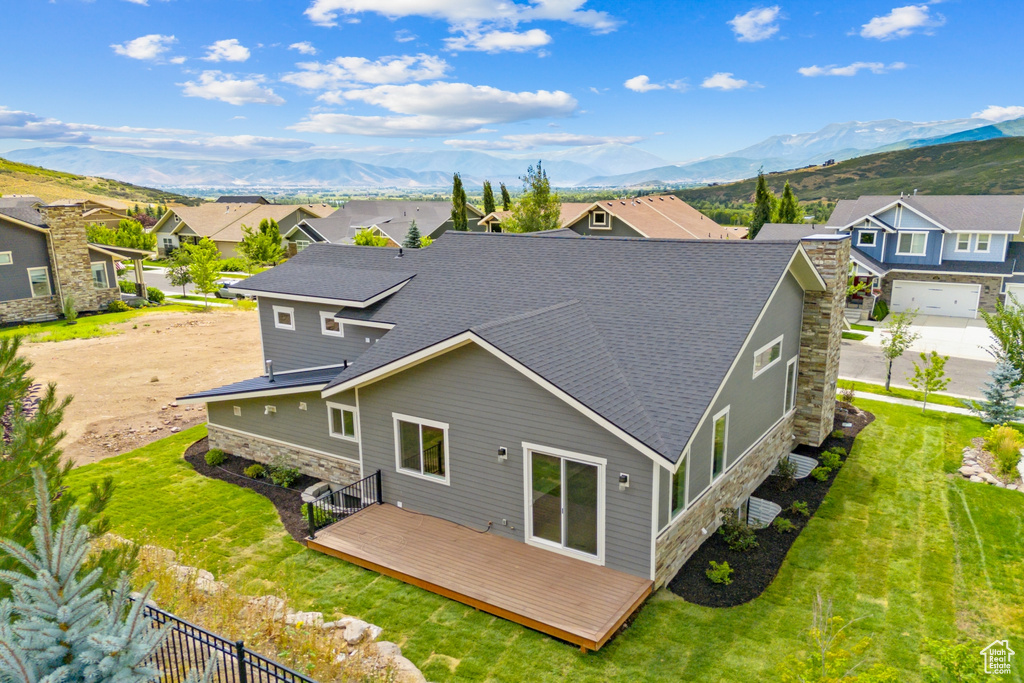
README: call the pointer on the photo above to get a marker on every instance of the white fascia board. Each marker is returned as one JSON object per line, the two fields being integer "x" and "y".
{"x": 804, "y": 271}
{"x": 307, "y": 389}
{"x": 364, "y": 323}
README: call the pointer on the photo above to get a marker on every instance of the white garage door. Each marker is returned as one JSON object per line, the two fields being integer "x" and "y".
{"x": 936, "y": 298}
{"x": 1017, "y": 291}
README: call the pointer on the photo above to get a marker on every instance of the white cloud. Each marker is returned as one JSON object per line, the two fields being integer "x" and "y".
{"x": 533, "y": 140}
{"x": 385, "y": 126}
{"x": 305, "y": 47}
{"x": 642, "y": 83}
{"x": 996, "y": 113}
{"x": 344, "y": 72}
{"x": 149, "y": 47}
{"x": 405, "y": 36}
{"x": 902, "y": 22}
{"x": 216, "y": 85}
{"x": 724, "y": 80}
{"x": 850, "y": 69}
{"x": 498, "y": 41}
{"x": 178, "y": 60}
{"x": 229, "y": 50}
{"x": 757, "y": 24}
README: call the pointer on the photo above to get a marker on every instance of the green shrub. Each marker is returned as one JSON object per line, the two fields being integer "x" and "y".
{"x": 215, "y": 457}
{"x": 1004, "y": 443}
{"x": 126, "y": 286}
{"x": 255, "y": 471}
{"x": 738, "y": 534}
{"x": 234, "y": 264}
{"x": 783, "y": 525}
{"x": 832, "y": 460}
{"x": 787, "y": 473}
{"x": 154, "y": 295}
{"x": 848, "y": 395}
{"x": 880, "y": 310}
{"x": 322, "y": 517}
{"x": 719, "y": 573}
{"x": 117, "y": 306}
{"x": 838, "y": 434}
{"x": 136, "y": 303}
{"x": 280, "y": 473}
{"x": 799, "y": 507}
{"x": 69, "y": 310}
{"x": 821, "y": 473}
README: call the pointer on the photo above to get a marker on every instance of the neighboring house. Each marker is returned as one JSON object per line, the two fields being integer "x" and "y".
{"x": 45, "y": 258}
{"x": 492, "y": 221}
{"x": 222, "y": 222}
{"x": 949, "y": 255}
{"x": 652, "y": 382}
{"x": 388, "y": 218}
{"x": 242, "y": 199}
{"x": 108, "y": 218}
{"x": 658, "y": 217}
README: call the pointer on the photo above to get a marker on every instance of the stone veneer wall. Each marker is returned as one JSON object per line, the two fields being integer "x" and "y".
{"x": 323, "y": 467}
{"x": 821, "y": 340}
{"x": 675, "y": 545}
{"x": 33, "y": 308}
{"x": 72, "y": 269}
{"x": 990, "y": 286}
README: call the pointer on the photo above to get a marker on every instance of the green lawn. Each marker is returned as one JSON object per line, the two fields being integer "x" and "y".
{"x": 897, "y": 542}
{"x": 897, "y": 392}
{"x": 86, "y": 327}
{"x": 854, "y": 336}
{"x": 862, "y": 328}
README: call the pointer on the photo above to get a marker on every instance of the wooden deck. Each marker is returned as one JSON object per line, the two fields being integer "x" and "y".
{"x": 570, "y": 599}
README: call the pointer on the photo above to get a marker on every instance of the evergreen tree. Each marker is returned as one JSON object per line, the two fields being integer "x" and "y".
{"x": 789, "y": 207}
{"x": 1001, "y": 395}
{"x": 488, "y": 198}
{"x": 538, "y": 208}
{"x": 506, "y": 199}
{"x": 412, "y": 238}
{"x": 459, "y": 219}
{"x": 763, "y": 206}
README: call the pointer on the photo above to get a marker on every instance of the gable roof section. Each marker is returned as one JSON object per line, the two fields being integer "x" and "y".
{"x": 222, "y": 222}
{"x": 357, "y": 287}
{"x": 958, "y": 213}
{"x": 791, "y": 231}
{"x": 661, "y": 217}
{"x": 392, "y": 217}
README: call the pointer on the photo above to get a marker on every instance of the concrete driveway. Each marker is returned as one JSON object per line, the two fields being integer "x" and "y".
{"x": 955, "y": 337}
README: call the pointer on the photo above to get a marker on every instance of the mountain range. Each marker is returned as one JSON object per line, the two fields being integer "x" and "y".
{"x": 609, "y": 165}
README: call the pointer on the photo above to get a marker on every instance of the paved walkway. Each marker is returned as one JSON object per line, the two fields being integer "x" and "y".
{"x": 937, "y": 407}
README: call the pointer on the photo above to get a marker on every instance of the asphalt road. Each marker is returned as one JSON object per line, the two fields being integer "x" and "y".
{"x": 864, "y": 363}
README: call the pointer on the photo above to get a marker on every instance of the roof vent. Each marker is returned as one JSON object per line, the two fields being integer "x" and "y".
{"x": 270, "y": 371}
{"x": 400, "y": 253}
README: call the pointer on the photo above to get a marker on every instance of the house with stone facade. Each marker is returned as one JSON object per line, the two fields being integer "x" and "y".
{"x": 45, "y": 258}
{"x": 593, "y": 405}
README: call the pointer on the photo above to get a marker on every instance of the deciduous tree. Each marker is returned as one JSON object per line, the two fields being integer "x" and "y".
{"x": 929, "y": 376}
{"x": 366, "y": 238}
{"x": 538, "y": 208}
{"x": 179, "y": 273}
{"x": 896, "y": 339}
{"x": 1007, "y": 326}
{"x": 204, "y": 267}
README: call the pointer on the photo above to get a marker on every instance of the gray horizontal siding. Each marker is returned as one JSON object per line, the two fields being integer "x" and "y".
{"x": 487, "y": 405}
{"x": 306, "y": 428}
{"x": 619, "y": 228}
{"x": 28, "y": 250}
{"x": 306, "y": 346}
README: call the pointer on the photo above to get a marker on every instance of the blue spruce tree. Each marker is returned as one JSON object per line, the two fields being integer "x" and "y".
{"x": 1001, "y": 395}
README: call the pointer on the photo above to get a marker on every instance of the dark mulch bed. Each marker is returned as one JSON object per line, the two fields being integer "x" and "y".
{"x": 755, "y": 570}
{"x": 288, "y": 501}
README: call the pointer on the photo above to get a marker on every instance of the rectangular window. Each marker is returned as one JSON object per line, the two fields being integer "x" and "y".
{"x": 301, "y": 244}
{"x": 330, "y": 325}
{"x": 791, "y": 378}
{"x": 99, "y": 275}
{"x": 767, "y": 356}
{"x": 982, "y": 243}
{"x": 284, "y": 318}
{"x": 39, "y": 279}
{"x": 679, "y": 482}
{"x": 912, "y": 244}
{"x": 342, "y": 421}
{"x": 5, "y": 258}
{"x": 421, "y": 447}
{"x": 721, "y": 439}
{"x": 599, "y": 219}
{"x": 963, "y": 242}
{"x": 866, "y": 238}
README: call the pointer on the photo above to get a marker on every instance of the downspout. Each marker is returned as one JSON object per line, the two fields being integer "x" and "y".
{"x": 55, "y": 270}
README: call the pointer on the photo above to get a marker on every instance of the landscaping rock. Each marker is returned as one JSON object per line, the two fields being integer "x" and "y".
{"x": 269, "y": 605}
{"x": 373, "y": 633}
{"x": 976, "y": 479}
{"x": 305, "y": 618}
{"x": 405, "y": 671}
{"x": 157, "y": 554}
{"x": 968, "y": 471}
{"x": 355, "y": 630}
{"x": 387, "y": 649}
{"x": 210, "y": 587}
{"x": 315, "y": 491}
{"x": 989, "y": 478}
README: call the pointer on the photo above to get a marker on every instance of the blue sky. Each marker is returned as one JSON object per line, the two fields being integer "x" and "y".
{"x": 309, "y": 77}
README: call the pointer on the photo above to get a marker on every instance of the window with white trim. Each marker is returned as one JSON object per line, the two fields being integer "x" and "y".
{"x": 39, "y": 280}
{"x": 330, "y": 326}
{"x": 963, "y": 241}
{"x": 680, "y": 480}
{"x": 99, "y": 275}
{"x": 767, "y": 356}
{"x": 421, "y": 447}
{"x": 791, "y": 380}
{"x": 720, "y": 441}
{"x": 301, "y": 244}
{"x": 284, "y": 318}
{"x": 599, "y": 219}
{"x": 912, "y": 244}
{"x": 866, "y": 238}
{"x": 5, "y": 258}
{"x": 982, "y": 242}
{"x": 342, "y": 421}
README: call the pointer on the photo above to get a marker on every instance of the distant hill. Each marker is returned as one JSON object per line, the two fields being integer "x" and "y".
{"x": 48, "y": 185}
{"x": 994, "y": 166}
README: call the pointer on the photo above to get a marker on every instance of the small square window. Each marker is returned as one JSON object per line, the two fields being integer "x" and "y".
{"x": 301, "y": 244}
{"x": 238, "y": 411}
{"x": 342, "y": 421}
{"x": 599, "y": 219}
{"x": 963, "y": 242}
{"x": 284, "y": 318}
{"x": 330, "y": 326}
{"x": 866, "y": 238}
{"x": 5, "y": 258}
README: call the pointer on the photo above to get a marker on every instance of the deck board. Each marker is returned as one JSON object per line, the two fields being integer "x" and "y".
{"x": 568, "y": 598}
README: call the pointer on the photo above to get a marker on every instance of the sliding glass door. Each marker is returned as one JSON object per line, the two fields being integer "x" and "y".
{"x": 565, "y": 497}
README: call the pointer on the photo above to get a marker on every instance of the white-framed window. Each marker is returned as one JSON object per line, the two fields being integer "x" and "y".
{"x": 719, "y": 443}
{"x": 39, "y": 280}
{"x": 330, "y": 326}
{"x": 963, "y": 241}
{"x": 866, "y": 238}
{"x": 6, "y": 258}
{"x": 168, "y": 242}
{"x": 767, "y": 356}
{"x": 301, "y": 244}
{"x": 678, "y": 493}
{"x": 982, "y": 242}
{"x": 421, "y": 448}
{"x": 912, "y": 244}
{"x": 791, "y": 380}
{"x": 343, "y": 421}
{"x": 599, "y": 219}
{"x": 99, "y": 275}
{"x": 284, "y": 317}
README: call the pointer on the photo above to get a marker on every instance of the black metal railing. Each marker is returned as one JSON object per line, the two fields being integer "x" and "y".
{"x": 189, "y": 648}
{"x": 334, "y": 506}
{"x": 433, "y": 459}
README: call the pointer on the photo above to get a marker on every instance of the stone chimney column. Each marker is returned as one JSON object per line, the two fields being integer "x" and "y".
{"x": 820, "y": 339}
{"x": 72, "y": 266}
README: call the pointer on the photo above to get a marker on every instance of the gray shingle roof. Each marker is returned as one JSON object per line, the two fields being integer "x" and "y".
{"x": 328, "y": 282}
{"x": 642, "y": 332}
{"x": 974, "y": 213}
{"x": 394, "y": 217}
{"x": 291, "y": 380}
{"x": 25, "y": 214}
{"x": 791, "y": 231}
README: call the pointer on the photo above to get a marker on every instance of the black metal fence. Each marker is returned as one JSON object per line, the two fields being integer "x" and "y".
{"x": 190, "y": 648}
{"x": 337, "y": 505}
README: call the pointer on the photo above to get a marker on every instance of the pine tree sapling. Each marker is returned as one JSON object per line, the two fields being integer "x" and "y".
{"x": 506, "y": 199}
{"x": 488, "y": 198}
{"x": 1001, "y": 395}
{"x": 69, "y": 310}
{"x": 412, "y": 238}
{"x": 896, "y": 339}
{"x": 930, "y": 376}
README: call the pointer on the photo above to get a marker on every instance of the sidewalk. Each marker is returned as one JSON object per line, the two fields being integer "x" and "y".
{"x": 938, "y": 408}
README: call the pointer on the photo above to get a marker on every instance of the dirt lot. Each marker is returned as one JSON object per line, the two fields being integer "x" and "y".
{"x": 123, "y": 385}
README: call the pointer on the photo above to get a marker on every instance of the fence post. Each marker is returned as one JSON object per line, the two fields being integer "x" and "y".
{"x": 380, "y": 494}
{"x": 311, "y": 517}
{"x": 240, "y": 658}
